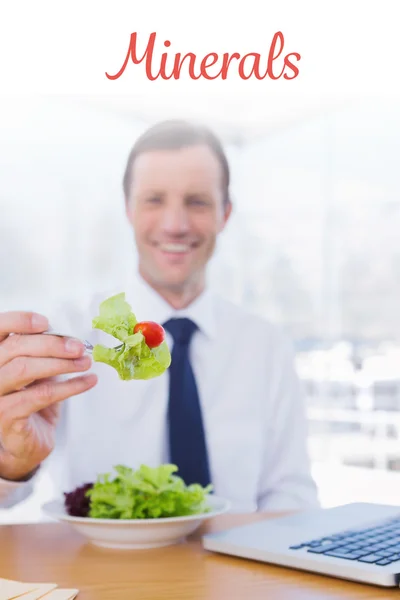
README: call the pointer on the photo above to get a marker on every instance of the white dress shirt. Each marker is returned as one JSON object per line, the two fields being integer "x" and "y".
{"x": 252, "y": 405}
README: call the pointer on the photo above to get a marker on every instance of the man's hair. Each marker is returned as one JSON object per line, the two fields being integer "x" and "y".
{"x": 174, "y": 135}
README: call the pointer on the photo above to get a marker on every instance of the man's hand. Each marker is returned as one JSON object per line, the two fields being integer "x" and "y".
{"x": 30, "y": 395}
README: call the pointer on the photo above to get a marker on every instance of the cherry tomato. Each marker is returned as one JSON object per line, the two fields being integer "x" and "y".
{"x": 153, "y": 333}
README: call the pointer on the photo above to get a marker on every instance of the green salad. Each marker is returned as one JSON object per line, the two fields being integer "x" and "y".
{"x": 144, "y": 353}
{"x": 144, "y": 493}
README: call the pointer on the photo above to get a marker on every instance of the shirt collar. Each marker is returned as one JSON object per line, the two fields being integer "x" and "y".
{"x": 148, "y": 305}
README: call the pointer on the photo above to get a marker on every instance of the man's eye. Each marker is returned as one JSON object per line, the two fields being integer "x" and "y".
{"x": 153, "y": 200}
{"x": 196, "y": 201}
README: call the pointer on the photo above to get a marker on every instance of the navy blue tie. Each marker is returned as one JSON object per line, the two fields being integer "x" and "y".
{"x": 187, "y": 443}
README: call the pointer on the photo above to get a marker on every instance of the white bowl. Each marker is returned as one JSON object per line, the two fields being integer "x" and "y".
{"x": 132, "y": 534}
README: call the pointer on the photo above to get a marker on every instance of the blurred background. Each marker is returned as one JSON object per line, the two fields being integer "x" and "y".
{"x": 313, "y": 245}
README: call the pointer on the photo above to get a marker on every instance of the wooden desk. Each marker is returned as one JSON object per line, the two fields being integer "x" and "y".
{"x": 55, "y": 553}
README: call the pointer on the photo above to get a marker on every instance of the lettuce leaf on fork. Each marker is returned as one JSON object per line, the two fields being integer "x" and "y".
{"x": 135, "y": 360}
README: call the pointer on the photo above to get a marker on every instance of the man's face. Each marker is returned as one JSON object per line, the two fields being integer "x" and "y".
{"x": 176, "y": 209}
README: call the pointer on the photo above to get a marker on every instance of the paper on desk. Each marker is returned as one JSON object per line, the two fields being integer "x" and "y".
{"x": 49, "y": 592}
{"x": 15, "y": 590}
{"x": 39, "y": 592}
{"x": 59, "y": 594}
{"x": 12, "y": 589}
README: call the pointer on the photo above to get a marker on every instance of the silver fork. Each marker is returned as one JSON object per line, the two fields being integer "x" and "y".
{"x": 89, "y": 347}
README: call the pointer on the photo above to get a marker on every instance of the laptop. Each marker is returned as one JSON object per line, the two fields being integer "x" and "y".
{"x": 357, "y": 541}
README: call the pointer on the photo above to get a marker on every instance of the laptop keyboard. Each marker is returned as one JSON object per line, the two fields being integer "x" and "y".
{"x": 379, "y": 545}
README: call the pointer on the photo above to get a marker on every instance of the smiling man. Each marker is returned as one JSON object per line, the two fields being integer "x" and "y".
{"x": 177, "y": 202}
{"x": 229, "y": 410}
